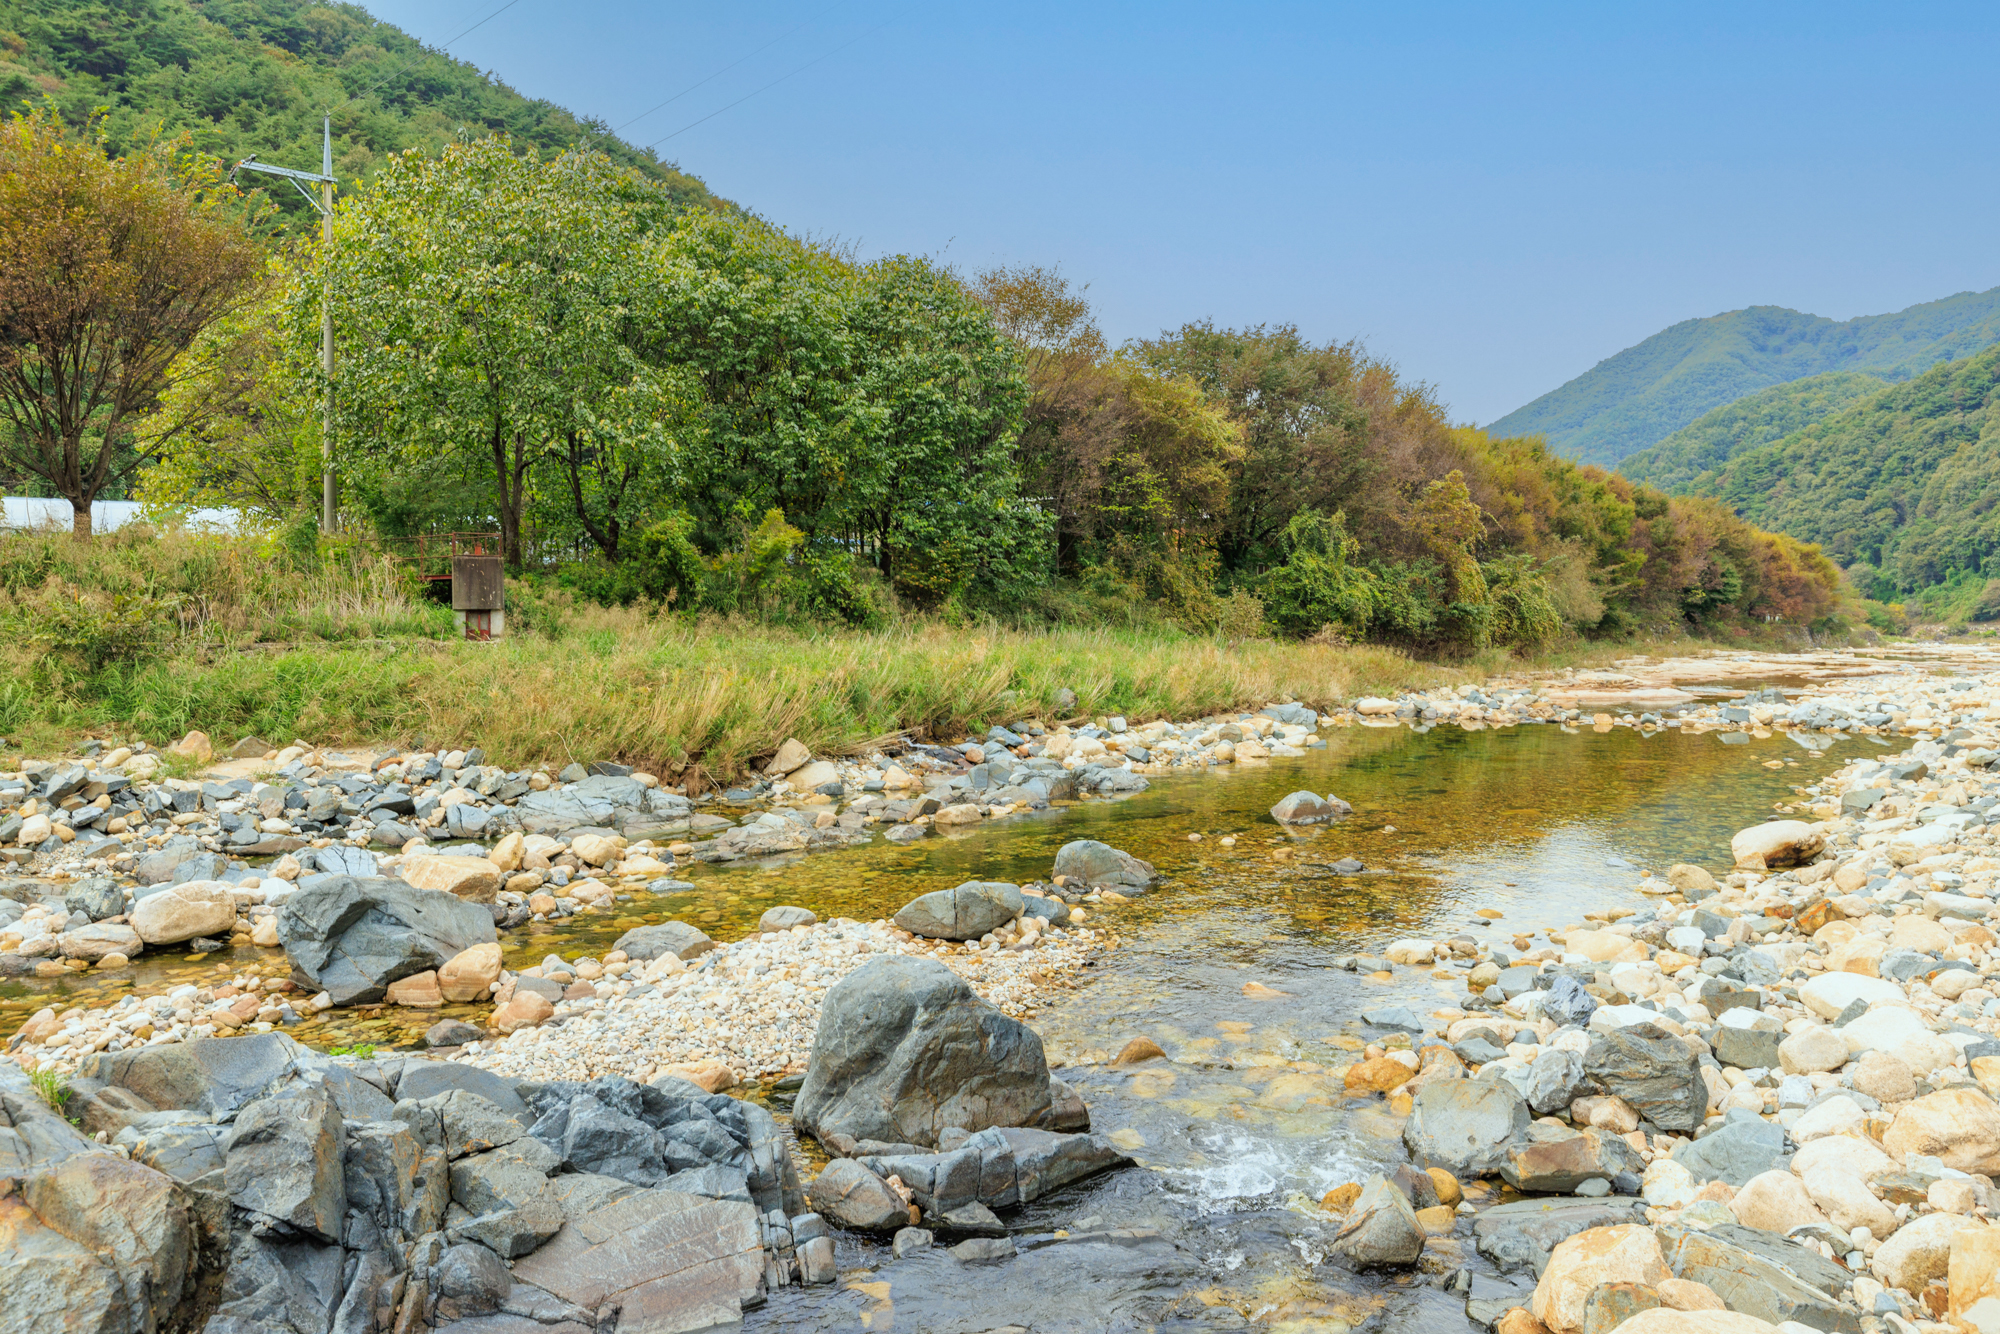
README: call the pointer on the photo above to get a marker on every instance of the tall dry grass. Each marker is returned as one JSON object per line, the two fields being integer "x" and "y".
{"x": 616, "y": 684}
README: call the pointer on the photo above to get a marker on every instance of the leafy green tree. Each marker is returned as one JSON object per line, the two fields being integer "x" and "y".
{"x": 491, "y": 302}
{"x": 1319, "y": 584}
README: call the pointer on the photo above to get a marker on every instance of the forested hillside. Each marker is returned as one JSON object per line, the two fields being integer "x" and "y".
{"x": 1904, "y": 486}
{"x": 254, "y": 76}
{"x": 1676, "y": 464}
{"x": 1649, "y": 391}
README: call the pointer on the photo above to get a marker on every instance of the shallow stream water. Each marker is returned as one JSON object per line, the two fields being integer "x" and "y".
{"x": 1245, "y": 1127}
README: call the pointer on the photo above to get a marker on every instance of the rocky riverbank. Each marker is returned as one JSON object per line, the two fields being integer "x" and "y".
{"x": 1765, "y": 1093}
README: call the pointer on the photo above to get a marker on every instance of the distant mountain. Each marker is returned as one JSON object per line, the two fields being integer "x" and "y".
{"x": 253, "y": 76}
{"x": 1647, "y": 392}
{"x": 1676, "y": 464}
{"x": 1906, "y": 481}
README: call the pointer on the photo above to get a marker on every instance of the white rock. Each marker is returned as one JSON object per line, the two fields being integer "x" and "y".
{"x": 1830, "y": 993}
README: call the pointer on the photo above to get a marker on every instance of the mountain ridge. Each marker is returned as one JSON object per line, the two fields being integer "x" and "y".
{"x": 1636, "y": 398}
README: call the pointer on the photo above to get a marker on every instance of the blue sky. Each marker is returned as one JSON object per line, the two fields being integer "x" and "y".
{"x": 1494, "y": 197}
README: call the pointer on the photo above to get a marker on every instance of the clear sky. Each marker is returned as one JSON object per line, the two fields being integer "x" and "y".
{"x": 1494, "y": 197}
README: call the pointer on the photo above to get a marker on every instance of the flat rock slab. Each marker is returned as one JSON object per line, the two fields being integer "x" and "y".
{"x": 1523, "y": 1233}
{"x": 671, "y": 1262}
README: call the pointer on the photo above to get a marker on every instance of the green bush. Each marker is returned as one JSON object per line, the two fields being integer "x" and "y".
{"x": 1524, "y": 606}
{"x": 1318, "y": 585}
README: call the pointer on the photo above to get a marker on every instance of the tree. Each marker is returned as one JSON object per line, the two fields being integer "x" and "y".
{"x": 494, "y": 303}
{"x": 239, "y": 426}
{"x": 109, "y": 271}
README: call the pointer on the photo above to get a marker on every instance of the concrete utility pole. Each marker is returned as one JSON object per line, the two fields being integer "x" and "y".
{"x": 324, "y": 203}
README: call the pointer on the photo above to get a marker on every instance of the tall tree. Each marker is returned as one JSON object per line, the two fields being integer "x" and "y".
{"x": 109, "y": 270}
{"x": 491, "y": 300}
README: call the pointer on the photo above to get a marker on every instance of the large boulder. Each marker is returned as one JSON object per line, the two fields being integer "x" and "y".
{"x": 1776, "y": 843}
{"x": 1381, "y": 1231}
{"x": 1745, "y": 1146}
{"x": 214, "y": 1077}
{"x": 965, "y": 913}
{"x": 284, "y": 1164}
{"x": 1960, "y": 1126}
{"x": 93, "y": 942}
{"x": 1625, "y": 1253}
{"x": 351, "y": 937}
{"x": 905, "y": 1049}
{"x": 1736, "y": 1264}
{"x": 182, "y": 912}
{"x": 1086, "y": 862}
{"x": 95, "y": 1243}
{"x": 1464, "y": 1125}
{"x": 1654, "y": 1071}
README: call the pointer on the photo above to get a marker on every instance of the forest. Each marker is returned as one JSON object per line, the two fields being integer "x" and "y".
{"x": 656, "y": 399}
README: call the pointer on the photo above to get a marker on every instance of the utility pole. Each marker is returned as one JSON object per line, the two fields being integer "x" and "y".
{"x": 324, "y": 203}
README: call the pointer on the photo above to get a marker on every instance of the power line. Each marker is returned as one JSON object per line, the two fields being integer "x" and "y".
{"x": 422, "y": 52}
{"x": 775, "y": 82}
{"x": 718, "y": 74}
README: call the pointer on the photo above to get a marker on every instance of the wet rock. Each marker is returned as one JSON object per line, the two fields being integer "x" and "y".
{"x": 1745, "y": 1146}
{"x": 1309, "y": 808}
{"x": 283, "y": 1162}
{"x": 964, "y": 913}
{"x": 352, "y": 937}
{"x": 1464, "y": 1125}
{"x": 984, "y": 1250}
{"x": 652, "y": 942}
{"x": 909, "y": 1241}
{"x": 1626, "y": 1253}
{"x": 1653, "y": 1071}
{"x": 1086, "y": 862}
{"x": 905, "y": 1048}
{"x": 854, "y": 1197}
{"x": 1961, "y": 1126}
{"x": 663, "y": 1259}
{"x": 1381, "y": 1231}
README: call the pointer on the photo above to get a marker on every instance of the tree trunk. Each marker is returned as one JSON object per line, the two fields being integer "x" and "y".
{"x": 79, "y": 523}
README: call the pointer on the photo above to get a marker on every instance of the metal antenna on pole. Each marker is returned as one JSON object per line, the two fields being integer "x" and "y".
{"x": 324, "y": 203}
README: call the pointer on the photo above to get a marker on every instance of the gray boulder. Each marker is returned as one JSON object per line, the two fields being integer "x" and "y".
{"x": 675, "y": 938}
{"x": 1309, "y": 808}
{"x": 1464, "y": 1125}
{"x": 905, "y": 1049}
{"x": 103, "y": 1244}
{"x": 1087, "y": 862}
{"x": 96, "y": 898}
{"x": 1557, "y": 1161}
{"x": 1555, "y": 1080}
{"x": 1652, "y": 1070}
{"x": 1568, "y": 1003}
{"x": 284, "y": 1162}
{"x": 1523, "y": 1233}
{"x": 1746, "y": 1145}
{"x": 1753, "y": 1285}
{"x": 351, "y": 937}
{"x": 964, "y": 913}
{"x": 662, "y": 1259}
{"x": 215, "y": 1077}
{"x": 1381, "y": 1231}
